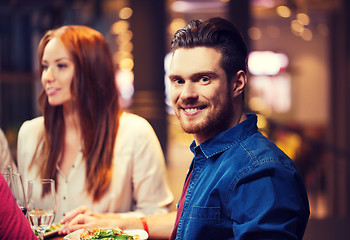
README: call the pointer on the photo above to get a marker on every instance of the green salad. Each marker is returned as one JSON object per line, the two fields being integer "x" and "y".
{"x": 105, "y": 234}
{"x": 54, "y": 227}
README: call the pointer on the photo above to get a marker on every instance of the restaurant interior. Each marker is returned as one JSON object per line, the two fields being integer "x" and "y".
{"x": 299, "y": 74}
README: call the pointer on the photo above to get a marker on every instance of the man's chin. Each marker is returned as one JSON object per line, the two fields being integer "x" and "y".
{"x": 190, "y": 129}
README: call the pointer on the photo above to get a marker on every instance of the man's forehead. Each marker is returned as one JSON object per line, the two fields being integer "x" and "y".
{"x": 196, "y": 59}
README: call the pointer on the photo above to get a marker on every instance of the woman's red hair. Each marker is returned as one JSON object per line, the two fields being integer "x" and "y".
{"x": 95, "y": 99}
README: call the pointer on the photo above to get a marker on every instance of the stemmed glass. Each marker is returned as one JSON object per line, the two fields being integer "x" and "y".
{"x": 16, "y": 186}
{"x": 41, "y": 204}
{"x": 14, "y": 182}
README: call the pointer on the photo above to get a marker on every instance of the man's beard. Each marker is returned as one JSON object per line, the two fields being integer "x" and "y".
{"x": 214, "y": 122}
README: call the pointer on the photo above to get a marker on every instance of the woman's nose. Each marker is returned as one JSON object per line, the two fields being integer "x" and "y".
{"x": 47, "y": 75}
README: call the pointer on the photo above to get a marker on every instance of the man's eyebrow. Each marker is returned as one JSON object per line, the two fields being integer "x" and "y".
{"x": 172, "y": 76}
{"x": 208, "y": 73}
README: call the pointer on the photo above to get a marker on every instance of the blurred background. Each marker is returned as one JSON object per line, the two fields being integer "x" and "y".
{"x": 299, "y": 72}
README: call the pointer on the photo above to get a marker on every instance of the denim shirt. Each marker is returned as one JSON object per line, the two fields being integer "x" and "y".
{"x": 243, "y": 187}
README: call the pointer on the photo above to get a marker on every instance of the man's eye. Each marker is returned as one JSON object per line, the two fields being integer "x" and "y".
{"x": 177, "y": 81}
{"x": 204, "y": 79}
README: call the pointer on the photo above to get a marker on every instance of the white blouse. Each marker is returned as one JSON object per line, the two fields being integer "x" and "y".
{"x": 138, "y": 186}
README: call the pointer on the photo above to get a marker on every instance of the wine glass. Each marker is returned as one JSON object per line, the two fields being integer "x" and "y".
{"x": 41, "y": 204}
{"x": 15, "y": 183}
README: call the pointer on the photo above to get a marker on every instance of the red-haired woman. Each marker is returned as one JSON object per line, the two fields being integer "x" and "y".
{"x": 100, "y": 156}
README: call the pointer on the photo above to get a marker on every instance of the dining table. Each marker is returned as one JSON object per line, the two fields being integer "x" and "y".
{"x": 55, "y": 237}
{"x": 60, "y": 237}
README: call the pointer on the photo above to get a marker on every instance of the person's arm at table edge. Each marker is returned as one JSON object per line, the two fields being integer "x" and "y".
{"x": 159, "y": 226}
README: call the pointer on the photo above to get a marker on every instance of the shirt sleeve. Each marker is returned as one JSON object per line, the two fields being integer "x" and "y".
{"x": 150, "y": 184}
{"x": 13, "y": 223}
{"x": 272, "y": 203}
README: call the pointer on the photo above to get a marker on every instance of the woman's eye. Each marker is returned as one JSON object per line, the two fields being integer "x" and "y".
{"x": 61, "y": 65}
{"x": 44, "y": 66}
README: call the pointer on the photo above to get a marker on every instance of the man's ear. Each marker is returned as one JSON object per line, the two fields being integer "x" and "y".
{"x": 239, "y": 83}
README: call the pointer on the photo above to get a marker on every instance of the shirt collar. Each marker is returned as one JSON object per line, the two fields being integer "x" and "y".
{"x": 228, "y": 138}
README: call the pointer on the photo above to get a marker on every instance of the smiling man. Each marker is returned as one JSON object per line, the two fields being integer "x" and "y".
{"x": 240, "y": 185}
{"x": 203, "y": 100}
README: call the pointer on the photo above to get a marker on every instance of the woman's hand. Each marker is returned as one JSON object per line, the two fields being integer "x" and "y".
{"x": 81, "y": 217}
{"x": 83, "y": 221}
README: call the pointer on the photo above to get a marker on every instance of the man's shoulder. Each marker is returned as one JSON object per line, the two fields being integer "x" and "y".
{"x": 263, "y": 150}
{"x": 254, "y": 153}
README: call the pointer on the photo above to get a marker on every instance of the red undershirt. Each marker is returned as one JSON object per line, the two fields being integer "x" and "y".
{"x": 181, "y": 205}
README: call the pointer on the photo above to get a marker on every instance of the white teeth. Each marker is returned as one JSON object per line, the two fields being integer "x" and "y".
{"x": 190, "y": 110}
{"x": 50, "y": 90}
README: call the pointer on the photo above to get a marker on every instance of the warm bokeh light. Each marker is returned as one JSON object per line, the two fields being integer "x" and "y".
{"x": 126, "y": 64}
{"x": 270, "y": 94}
{"x": 124, "y": 36}
{"x": 283, "y": 11}
{"x": 262, "y": 122}
{"x": 125, "y": 83}
{"x": 176, "y": 24}
{"x": 126, "y": 46}
{"x": 266, "y": 62}
{"x": 119, "y": 26}
{"x": 257, "y": 104}
{"x": 125, "y": 13}
{"x": 290, "y": 144}
{"x": 297, "y": 27}
{"x": 303, "y": 18}
{"x": 254, "y": 33}
{"x": 306, "y": 34}
{"x": 120, "y": 55}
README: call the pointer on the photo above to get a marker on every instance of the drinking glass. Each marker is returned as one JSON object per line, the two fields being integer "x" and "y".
{"x": 41, "y": 204}
{"x": 15, "y": 183}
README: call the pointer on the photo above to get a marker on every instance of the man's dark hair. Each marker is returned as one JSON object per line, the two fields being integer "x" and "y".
{"x": 217, "y": 33}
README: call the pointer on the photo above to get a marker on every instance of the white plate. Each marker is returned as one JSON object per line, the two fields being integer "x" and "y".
{"x": 74, "y": 235}
{"x": 138, "y": 234}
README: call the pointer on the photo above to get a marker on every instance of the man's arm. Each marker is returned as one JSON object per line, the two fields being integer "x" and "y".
{"x": 159, "y": 226}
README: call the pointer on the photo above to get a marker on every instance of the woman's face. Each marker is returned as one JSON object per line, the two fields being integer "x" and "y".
{"x": 58, "y": 73}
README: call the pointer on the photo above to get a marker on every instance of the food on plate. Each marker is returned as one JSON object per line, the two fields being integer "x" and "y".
{"x": 54, "y": 227}
{"x": 107, "y": 234}
{"x": 51, "y": 230}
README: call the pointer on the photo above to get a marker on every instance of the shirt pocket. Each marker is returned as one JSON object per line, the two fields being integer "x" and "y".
{"x": 207, "y": 214}
{"x": 204, "y": 223}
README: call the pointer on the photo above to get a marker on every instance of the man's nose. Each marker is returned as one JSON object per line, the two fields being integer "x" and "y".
{"x": 189, "y": 91}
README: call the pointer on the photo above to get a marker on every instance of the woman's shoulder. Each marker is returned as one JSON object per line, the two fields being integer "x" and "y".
{"x": 32, "y": 126}
{"x": 133, "y": 124}
{"x": 130, "y": 119}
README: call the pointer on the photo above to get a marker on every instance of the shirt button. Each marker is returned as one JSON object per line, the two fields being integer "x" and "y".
{"x": 64, "y": 214}
{"x": 64, "y": 198}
